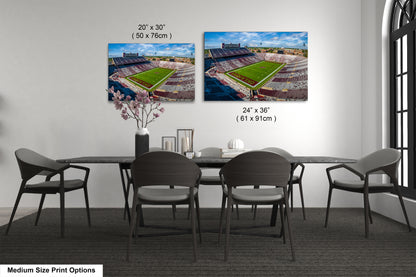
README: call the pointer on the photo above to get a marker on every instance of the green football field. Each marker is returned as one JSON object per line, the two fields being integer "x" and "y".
{"x": 255, "y": 75}
{"x": 151, "y": 79}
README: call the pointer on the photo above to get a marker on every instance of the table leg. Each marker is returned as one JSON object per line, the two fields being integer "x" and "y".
{"x": 275, "y": 207}
{"x": 125, "y": 183}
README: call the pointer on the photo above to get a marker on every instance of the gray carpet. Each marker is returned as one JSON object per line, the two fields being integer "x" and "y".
{"x": 339, "y": 250}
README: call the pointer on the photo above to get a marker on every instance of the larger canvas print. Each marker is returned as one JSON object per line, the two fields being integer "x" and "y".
{"x": 165, "y": 71}
{"x": 256, "y": 66}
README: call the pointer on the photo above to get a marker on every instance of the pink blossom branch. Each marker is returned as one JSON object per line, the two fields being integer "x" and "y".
{"x": 141, "y": 108}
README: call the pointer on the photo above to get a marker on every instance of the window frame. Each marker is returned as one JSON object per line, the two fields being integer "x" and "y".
{"x": 403, "y": 24}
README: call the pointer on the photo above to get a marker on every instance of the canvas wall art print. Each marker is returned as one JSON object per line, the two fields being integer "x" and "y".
{"x": 256, "y": 66}
{"x": 166, "y": 71}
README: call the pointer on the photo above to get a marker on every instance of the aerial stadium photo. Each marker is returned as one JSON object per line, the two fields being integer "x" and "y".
{"x": 166, "y": 71}
{"x": 256, "y": 66}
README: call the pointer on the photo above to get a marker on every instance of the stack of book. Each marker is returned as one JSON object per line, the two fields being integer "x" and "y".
{"x": 231, "y": 153}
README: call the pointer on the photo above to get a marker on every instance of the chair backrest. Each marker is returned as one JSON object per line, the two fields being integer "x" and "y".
{"x": 164, "y": 168}
{"x": 32, "y": 163}
{"x": 279, "y": 151}
{"x": 386, "y": 158}
{"x": 256, "y": 168}
{"x": 211, "y": 152}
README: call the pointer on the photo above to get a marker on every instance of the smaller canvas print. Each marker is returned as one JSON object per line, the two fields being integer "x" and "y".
{"x": 256, "y": 66}
{"x": 166, "y": 71}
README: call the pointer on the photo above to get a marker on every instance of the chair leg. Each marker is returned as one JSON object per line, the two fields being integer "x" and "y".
{"x": 193, "y": 228}
{"x": 327, "y": 206}
{"x": 301, "y": 199}
{"x": 273, "y": 217}
{"x": 189, "y": 212}
{"x": 87, "y": 206}
{"x": 289, "y": 230}
{"x": 134, "y": 219}
{"x": 19, "y": 195}
{"x": 198, "y": 218}
{"x": 399, "y": 194}
{"x": 42, "y": 199}
{"x": 366, "y": 212}
{"x": 62, "y": 208}
{"x": 238, "y": 212}
{"x": 224, "y": 199}
{"x": 369, "y": 213}
{"x": 282, "y": 223}
{"x": 227, "y": 227}
{"x": 291, "y": 196}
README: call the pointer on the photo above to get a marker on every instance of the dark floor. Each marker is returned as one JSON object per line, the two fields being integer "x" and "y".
{"x": 339, "y": 250}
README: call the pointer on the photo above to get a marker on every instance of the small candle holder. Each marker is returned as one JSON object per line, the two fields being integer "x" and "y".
{"x": 169, "y": 143}
{"x": 185, "y": 140}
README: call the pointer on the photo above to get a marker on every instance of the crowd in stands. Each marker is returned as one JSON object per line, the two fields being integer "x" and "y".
{"x": 185, "y": 95}
{"x": 228, "y": 52}
{"x": 280, "y": 58}
{"x": 294, "y": 94}
{"x": 180, "y": 86}
{"x": 231, "y": 63}
{"x": 290, "y": 83}
{"x": 171, "y": 65}
{"x": 124, "y": 71}
{"x": 128, "y": 60}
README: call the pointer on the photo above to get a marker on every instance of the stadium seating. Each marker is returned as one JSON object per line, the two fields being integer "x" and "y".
{"x": 128, "y": 60}
{"x": 178, "y": 87}
{"x": 290, "y": 83}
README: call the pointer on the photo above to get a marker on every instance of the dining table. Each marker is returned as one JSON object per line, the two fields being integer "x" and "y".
{"x": 124, "y": 164}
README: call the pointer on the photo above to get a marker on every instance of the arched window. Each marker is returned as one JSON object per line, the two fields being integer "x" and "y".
{"x": 402, "y": 90}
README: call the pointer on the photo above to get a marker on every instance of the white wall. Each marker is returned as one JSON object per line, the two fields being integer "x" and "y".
{"x": 53, "y": 77}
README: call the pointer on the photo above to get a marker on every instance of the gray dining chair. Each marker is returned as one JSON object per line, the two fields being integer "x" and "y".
{"x": 294, "y": 179}
{"x": 210, "y": 179}
{"x": 125, "y": 168}
{"x": 153, "y": 149}
{"x": 153, "y": 175}
{"x": 383, "y": 161}
{"x": 256, "y": 168}
{"x": 32, "y": 164}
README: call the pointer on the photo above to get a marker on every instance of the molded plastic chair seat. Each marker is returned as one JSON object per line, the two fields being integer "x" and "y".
{"x": 180, "y": 178}
{"x": 32, "y": 164}
{"x": 384, "y": 161}
{"x": 295, "y": 179}
{"x": 258, "y": 196}
{"x": 164, "y": 195}
{"x": 53, "y": 186}
{"x": 359, "y": 185}
{"x": 260, "y": 169}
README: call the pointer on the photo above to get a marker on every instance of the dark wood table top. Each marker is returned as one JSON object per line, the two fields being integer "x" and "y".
{"x": 202, "y": 161}
{"x": 98, "y": 160}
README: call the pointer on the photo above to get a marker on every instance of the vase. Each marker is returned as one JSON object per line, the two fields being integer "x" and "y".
{"x": 141, "y": 141}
